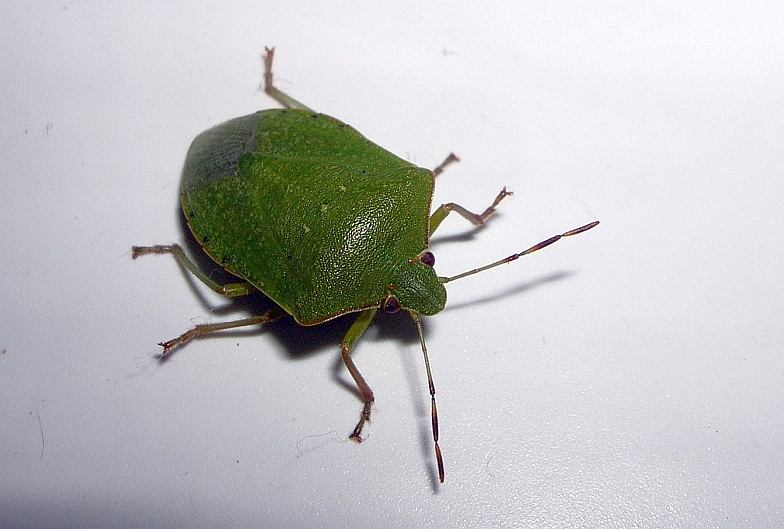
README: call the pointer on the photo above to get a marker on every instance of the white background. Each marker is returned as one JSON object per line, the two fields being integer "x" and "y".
{"x": 629, "y": 377}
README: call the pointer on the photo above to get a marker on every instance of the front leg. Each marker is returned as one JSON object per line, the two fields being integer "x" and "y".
{"x": 356, "y": 330}
{"x": 476, "y": 219}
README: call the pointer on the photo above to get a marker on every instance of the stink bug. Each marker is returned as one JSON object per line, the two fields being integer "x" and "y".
{"x": 304, "y": 209}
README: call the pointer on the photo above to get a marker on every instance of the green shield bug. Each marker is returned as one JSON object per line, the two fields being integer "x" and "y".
{"x": 304, "y": 209}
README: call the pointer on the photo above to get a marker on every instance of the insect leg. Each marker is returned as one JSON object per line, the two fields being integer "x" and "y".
{"x": 356, "y": 330}
{"x": 230, "y": 290}
{"x": 269, "y": 87}
{"x": 452, "y": 158}
{"x": 209, "y": 328}
{"x": 476, "y": 219}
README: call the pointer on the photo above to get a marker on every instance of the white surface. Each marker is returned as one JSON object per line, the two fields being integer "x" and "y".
{"x": 630, "y": 377}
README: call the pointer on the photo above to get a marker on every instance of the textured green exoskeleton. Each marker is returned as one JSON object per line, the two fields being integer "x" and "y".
{"x": 319, "y": 219}
{"x": 305, "y": 209}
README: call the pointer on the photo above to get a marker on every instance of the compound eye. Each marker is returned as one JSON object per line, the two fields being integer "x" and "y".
{"x": 428, "y": 258}
{"x": 391, "y": 305}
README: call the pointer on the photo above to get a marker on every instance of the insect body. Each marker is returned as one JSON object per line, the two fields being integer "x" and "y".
{"x": 314, "y": 215}
{"x": 303, "y": 208}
